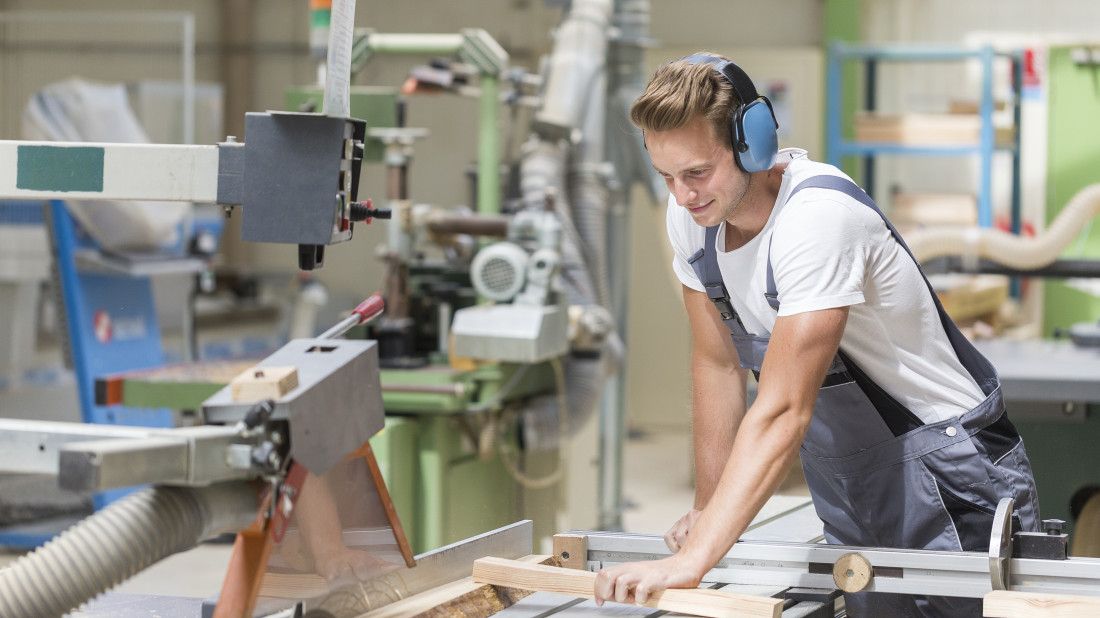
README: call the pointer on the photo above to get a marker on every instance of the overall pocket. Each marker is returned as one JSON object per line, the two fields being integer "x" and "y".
{"x": 966, "y": 490}
{"x": 844, "y": 423}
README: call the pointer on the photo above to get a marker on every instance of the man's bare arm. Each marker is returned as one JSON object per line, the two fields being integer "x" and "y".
{"x": 801, "y": 348}
{"x": 718, "y": 393}
{"x": 800, "y": 351}
{"x": 717, "y": 404}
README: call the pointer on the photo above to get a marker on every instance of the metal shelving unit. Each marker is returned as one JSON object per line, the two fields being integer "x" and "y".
{"x": 871, "y": 56}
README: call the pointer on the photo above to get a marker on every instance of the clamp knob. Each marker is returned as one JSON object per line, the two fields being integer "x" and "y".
{"x": 362, "y": 211}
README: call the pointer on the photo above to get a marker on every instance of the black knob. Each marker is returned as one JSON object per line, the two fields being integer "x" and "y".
{"x": 1054, "y": 526}
{"x": 362, "y": 211}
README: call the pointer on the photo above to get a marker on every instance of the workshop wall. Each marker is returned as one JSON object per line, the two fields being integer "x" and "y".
{"x": 1074, "y": 150}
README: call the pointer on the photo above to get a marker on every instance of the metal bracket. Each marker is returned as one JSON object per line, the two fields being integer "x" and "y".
{"x": 480, "y": 49}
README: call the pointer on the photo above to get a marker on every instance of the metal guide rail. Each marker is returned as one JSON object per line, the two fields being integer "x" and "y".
{"x": 1023, "y": 562}
{"x": 809, "y": 565}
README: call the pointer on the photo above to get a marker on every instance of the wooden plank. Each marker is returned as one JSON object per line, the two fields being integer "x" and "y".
{"x": 244, "y": 576}
{"x": 572, "y": 549}
{"x": 461, "y": 598}
{"x": 261, "y": 383}
{"x": 1009, "y": 604}
{"x": 701, "y": 602}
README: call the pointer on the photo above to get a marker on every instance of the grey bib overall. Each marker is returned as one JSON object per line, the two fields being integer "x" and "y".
{"x": 878, "y": 475}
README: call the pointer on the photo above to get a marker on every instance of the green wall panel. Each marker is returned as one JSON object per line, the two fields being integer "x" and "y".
{"x": 843, "y": 22}
{"x": 1073, "y": 162}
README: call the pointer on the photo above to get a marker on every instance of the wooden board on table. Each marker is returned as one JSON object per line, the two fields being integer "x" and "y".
{"x": 1010, "y": 604}
{"x": 701, "y": 602}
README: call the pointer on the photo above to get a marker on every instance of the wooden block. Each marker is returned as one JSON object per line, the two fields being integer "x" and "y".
{"x": 925, "y": 129}
{"x": 293, "y": 585}
{"x": 259, "y": 383}
{"x": 1009, "y": 604}
{"x": 932, "y": 209}
{"x": 699, "y": 601}
{"x": 917, "y": 128}
{"x": 572, "y": 550}
{"x": 970, "y": 296}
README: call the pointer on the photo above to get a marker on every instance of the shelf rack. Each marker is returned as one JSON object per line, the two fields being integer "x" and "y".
{"x": 871, "y": 56}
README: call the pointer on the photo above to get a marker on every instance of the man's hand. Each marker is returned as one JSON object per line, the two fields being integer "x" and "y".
{"x": 352, "y": 562}
{"x": 635, "y": 582}
{"x": 677, "y": 534}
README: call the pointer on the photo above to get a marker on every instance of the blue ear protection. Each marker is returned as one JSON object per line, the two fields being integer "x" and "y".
{"x": 755, "y": 142}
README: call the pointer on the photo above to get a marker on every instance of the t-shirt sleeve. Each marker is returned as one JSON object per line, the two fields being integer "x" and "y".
{"x": 686, "y": 237}
{"x": 819, "y": 254}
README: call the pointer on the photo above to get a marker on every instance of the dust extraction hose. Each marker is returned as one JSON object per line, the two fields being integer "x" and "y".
{"x": 117, "y": 542}
{"x": 1008, "y": 249}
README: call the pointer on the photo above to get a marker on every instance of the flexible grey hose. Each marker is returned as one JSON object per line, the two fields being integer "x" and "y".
{"x": 588, "y": 186}
{"x": 117, "y": 542}
{"x": 542, "y": 170}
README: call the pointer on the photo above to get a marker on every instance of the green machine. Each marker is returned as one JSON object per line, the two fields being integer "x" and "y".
{"x": 448, "y": 459}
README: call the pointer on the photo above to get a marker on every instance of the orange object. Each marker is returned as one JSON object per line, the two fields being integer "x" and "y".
{"x": 108, "y": 390}
{"x": 245, "y": 574}
{"x": 367, "y": 454}
{"x": 320, "y": 4}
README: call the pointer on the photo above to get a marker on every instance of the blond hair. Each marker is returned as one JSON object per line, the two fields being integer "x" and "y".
{"x": 680, "y": 92}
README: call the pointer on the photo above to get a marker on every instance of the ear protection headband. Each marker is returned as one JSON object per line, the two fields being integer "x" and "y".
{"x": 755, "y": 142}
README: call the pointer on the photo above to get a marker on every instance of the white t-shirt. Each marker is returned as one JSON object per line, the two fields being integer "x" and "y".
{"x": 828, "y": 250}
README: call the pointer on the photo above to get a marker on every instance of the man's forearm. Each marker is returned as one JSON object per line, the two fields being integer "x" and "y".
{"x": 761, "y": 455}
{"x": 718, "y": 405}
{"x": 768, "y": 438}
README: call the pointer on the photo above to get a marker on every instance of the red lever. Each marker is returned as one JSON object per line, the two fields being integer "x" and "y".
{"x": 370, "y": 308}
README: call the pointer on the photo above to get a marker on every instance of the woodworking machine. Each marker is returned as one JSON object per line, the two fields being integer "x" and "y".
{"x": 781, "y": 561}
{"x": 267, "y": 443}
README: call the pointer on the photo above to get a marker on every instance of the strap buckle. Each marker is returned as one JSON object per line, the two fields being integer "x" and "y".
{"x": 717, "y": 294}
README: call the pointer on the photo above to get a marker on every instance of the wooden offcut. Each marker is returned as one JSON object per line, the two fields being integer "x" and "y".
{"x": 464, "y": 597}
{"x": 577, "y": 583}
{"x": 259, "y": 383}
{"x": 572, "y": 550}
{"x": 293, "y": 585}
{"x": 966, "y": 297}
{"x": 1010, "y": 604}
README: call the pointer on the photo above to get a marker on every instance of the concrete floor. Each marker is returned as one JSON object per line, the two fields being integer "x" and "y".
{"x": 657, "y": 489}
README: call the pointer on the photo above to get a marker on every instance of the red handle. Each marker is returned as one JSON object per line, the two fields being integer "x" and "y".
{"x": 370, "y": 308}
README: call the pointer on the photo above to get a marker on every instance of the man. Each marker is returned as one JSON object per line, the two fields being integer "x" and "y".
{"x": 897, "y": 418}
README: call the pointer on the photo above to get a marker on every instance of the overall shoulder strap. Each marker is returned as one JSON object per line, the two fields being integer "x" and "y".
{"x": 979, "y": 367}
{"x": 705, "y": 264}
{"x": 835, "y": 183}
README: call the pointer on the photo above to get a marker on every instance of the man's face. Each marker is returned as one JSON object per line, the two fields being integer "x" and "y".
{"x": 698, "y": 170}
